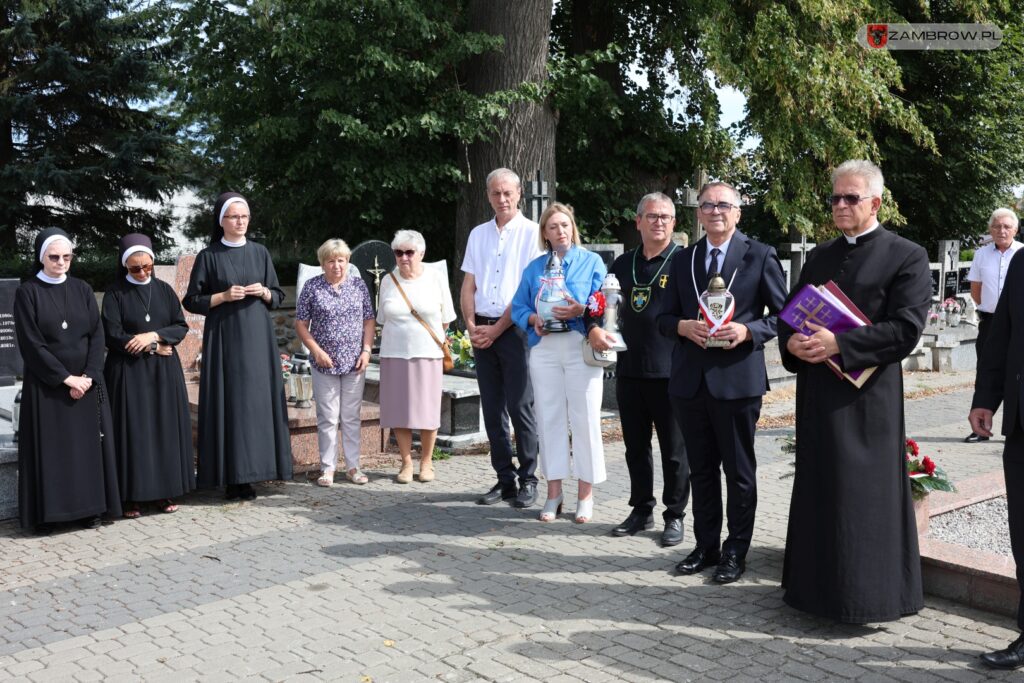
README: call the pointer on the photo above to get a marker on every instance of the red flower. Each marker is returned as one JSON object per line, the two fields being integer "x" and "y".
{"x": 596, "y": 304}
{"x": 912, "y": 447}
{"x": 929, "y": 466}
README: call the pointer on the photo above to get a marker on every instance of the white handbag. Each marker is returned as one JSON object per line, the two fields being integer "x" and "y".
{"x": 598, "y": 359}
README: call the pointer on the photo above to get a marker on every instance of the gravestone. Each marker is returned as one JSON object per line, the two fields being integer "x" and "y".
{"x": 192, "y": 345}
{"x": 10, "y": 358}
{"x": 607, "y": 252}
{"x": 936, "y": 281}
{"x": 949, "y": 284}
{"x": 535, "y": 197}
{"x": 963, "y": 284}
{"x": 374, "y": 259}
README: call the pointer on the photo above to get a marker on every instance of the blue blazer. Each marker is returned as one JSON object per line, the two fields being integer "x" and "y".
{"x": 759, "y": 285}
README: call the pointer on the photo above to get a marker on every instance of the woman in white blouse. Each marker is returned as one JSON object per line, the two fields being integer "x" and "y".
{"x": 411, "y": 365}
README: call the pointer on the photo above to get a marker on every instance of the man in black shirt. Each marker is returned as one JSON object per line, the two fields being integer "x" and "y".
{"x": 642, "y": 375}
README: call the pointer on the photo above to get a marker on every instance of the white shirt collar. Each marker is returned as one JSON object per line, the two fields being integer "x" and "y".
{"x": 232, "y": 244}
{"x": 853, "y": 240}
{"x": 723, "y": 248}
{"x": 133, "y": 281}
{"x": 52, "y": 280}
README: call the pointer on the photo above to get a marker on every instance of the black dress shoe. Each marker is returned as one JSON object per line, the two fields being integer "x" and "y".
{"x": 1010, "y": 658}
{"x": 698, "y": 560}
{"x": 527, "y": 495}
{"x": 232, "y": 492}
{"x": 730, "y": 568}
{"x": 638, "y": 520}
{"x": 44, "y": 529}
{"x": 975, "y": 438}
{"x": 246, "y": 492}
{"x": 92, "y": 522}
{"x": 673, "y": 533}
{"x": 498, "y": 493}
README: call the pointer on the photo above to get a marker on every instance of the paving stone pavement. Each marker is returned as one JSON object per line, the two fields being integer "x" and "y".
{"x": 404, "y": 583}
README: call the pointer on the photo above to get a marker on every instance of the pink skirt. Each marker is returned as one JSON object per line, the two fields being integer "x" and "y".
{"x": 410, "y": 393}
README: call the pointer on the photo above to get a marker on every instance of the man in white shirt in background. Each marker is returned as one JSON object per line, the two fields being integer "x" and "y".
{"x": 497, "y": 252}
{"x": 988, "y": 272}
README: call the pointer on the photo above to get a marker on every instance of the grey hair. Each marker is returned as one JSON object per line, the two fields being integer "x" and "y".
{"x": 1003, "y": 212}
{"x": 652, "y": 197}
{"x": 720, "y": 183}
{"x": 409, "y": 237}
{"x": 866, "y": 171}
{"x": 504, "y": 173}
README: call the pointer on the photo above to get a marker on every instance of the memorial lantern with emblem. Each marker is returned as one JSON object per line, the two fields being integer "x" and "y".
{"x": 552, "y": 293}
{"x": 613, "y": 297}
{"x": 716, "y": 306}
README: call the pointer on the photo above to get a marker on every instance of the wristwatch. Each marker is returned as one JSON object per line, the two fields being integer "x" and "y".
{"x": 367, "y": 350}
{"x": 152, "y": 348}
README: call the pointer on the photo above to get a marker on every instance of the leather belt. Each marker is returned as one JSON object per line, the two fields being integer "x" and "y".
{"x": 481, "y": 320}
{"x": 984, "y": 315}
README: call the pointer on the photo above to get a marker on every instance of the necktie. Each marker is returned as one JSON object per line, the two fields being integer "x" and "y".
{"x": 713, "y": 270}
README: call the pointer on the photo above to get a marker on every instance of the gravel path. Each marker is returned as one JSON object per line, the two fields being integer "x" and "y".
{"x": 981, "y": 526}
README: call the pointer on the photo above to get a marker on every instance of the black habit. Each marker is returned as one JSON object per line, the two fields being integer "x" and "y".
{"x": 152, "y": 429}
{"x": 243, "y": 419}
{"x": 851, "y": 549}
{"x": 66, "y": 468}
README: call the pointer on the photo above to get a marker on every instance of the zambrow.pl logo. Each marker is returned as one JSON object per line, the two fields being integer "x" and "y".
{"x": 930, "y": 36}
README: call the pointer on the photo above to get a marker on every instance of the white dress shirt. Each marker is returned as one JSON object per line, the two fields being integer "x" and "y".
{"x": 496, "y": 259}
{"x": 724, "y": 249}
{"x": 989, "y": 268}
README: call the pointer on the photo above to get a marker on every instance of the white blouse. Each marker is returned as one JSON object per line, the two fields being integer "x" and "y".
{"x": 403, "y": 336}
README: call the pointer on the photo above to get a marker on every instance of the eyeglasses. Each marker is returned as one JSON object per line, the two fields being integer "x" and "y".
{"x": 408, "y": 253}
{"x": 135, "y": 270}
{"x": 709, "y": 207}
{"x": 238, "y": 217}
{"x": 850, "y": 199}
{"x": 57, "y": 258}
{"x": 659, "y": 217}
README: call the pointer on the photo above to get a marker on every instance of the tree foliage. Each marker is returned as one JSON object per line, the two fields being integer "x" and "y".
{"x": 340, "y": 117}
{"x": 81, "y": 130}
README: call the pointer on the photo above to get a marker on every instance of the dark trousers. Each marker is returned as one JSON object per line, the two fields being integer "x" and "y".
{"x": 1013, "y": 470}
{"x": 720, "y": 433}
{"x": 644, "y": 403}
{"x": 506, "y": 394}
{"x": 984, "y": 323}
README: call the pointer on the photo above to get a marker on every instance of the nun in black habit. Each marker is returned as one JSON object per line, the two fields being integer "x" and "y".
{"x": 66, "y": 465}
{"x": 152, "y": 434}
{"x": 243, "y": 419}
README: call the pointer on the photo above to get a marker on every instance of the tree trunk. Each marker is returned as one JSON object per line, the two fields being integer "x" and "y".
{"x": 525, "y": 140}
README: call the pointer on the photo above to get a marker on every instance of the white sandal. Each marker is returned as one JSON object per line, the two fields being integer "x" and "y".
{"x": 584, "y": 509}
{"x": 326, "y": 478}
{"x": 552, "y": 508}
{"x": 356, "y": 476}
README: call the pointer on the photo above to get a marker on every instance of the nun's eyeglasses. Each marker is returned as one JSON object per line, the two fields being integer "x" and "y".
{"x": 135, "y": 270}
{"x": 57, "y": 258}
{"x": 240, "y": 217}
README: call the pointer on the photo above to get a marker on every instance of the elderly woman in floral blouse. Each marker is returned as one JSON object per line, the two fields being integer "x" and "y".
{"x": 334, "y": 319}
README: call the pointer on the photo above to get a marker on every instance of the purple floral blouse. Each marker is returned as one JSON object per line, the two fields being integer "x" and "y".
{"x": 336, "y": 319}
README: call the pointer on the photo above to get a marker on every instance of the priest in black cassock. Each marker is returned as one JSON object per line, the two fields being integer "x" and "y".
{"x": 152, "y": 435}
{"x": 66, "y": 467}
{"x": 851, "y": 549}
{"x": 243, "y": 419}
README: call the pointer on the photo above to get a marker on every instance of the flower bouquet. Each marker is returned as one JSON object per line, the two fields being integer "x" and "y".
{"x": 462, "y": 350}
{"x": 952, "y": 305}
{"x": 925, "y": 475}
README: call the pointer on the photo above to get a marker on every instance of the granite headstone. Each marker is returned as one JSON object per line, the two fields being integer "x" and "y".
{"x": 192, "y": 345}
{"x": 374, "y": 259}
{"x": 10, "y": 358}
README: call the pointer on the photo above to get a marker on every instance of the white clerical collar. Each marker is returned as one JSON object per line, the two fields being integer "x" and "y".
{"x": 52, "y": 280}
{"x": 853, "y": 240}
{"x": 133, "y": 281}
{"x": 232, "y": 244}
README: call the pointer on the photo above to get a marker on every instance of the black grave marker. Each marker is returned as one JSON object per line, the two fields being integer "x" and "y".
{"x": 10, "y": 358}
{"x": 375, "y": 259}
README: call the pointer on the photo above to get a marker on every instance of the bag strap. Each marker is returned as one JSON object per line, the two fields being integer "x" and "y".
{"x": 415, "y": 314}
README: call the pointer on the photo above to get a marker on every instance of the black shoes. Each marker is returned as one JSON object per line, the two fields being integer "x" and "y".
{"x": 975, "y": 438}
{"x": 91, "y": 522}
{"x": 638, "y": 520}
{"x": 498, "y": 493}
{"x": 1010, "y": 658}
{"x": 698, "y": 560}
{"x": 730, "y": 568}
{"x": 527, "y": 495}
{"x": 673, "y": 533}
{"x": 240, "y": 492}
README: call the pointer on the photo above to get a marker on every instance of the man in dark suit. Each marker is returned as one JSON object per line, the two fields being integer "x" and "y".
{"x": 716, "y": 392}
{"x": 999, "y": 381}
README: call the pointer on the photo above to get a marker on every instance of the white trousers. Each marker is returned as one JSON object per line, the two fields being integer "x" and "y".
{"x": 567, "y": 396}
{"x": 338, "y": 401}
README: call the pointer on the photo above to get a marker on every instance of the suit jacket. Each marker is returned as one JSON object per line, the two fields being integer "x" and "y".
{"x": 1000, "y": 367}
{"x": 759, "y": 284}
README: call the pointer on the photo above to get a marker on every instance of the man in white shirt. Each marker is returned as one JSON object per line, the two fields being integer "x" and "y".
{"x": 496, "y": 254}
{"x": 988, "y": 272}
